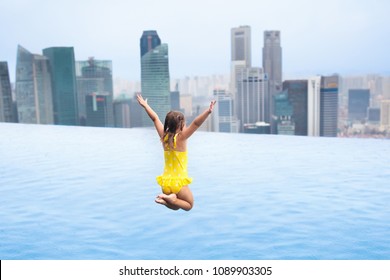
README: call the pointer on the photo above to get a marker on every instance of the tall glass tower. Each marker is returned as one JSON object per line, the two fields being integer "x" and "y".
{"x": 149, "y": 41}
{"x": 283, "y": 112}
{"x": 33, "y": 88}
{"x": 94, "y": 78}
{"x": 155, "y": 84}
{"x": 6, "y": 103}
{"x": 297, "y": 96}
{"x": 329, "y": 106}
{"x": 322, "y": 106}
{"x": 62, "y": 64}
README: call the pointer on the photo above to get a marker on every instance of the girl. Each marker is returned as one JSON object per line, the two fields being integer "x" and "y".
{"x": 174, "y": 134}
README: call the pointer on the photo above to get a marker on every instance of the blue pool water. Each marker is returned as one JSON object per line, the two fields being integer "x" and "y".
{"x": 88, "y": 193}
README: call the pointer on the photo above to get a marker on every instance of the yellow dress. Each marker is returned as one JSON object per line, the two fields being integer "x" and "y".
{"x": 175, "y": 174}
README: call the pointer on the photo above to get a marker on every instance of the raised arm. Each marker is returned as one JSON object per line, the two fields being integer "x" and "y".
{"x": 198, "y": 121}
{"x": 152, "y": 115}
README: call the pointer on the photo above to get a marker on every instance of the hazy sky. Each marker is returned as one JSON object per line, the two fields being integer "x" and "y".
{"x": 318, "y": 37}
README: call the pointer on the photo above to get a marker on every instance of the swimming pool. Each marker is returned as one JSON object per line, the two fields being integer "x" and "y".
{"x": 88, "y": 193}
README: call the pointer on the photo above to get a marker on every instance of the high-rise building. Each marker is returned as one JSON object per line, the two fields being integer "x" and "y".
{"x": 272, "y": 64}
{"x": 136, "y": 112}
{"x": 251, "y": 97}
{"x": 155, "y": 83}
{"x": 224, "y": 119}
{"x": 122, "y": 110}
{"x": 33, "y": 88}
{"x": 127, "y": 112}
{"x": 313, "y": 106}
{"x": 297, "y": 96}
{"x": 322, "y": 105}
{"x": 241, "y": 45}
{"x": 175, "y": 99}
{"x": 272, "y": 59}
{"x": 62, "y": 65}
{"x": 329, "y": 106}
{"x": 149, "y": 41}
{"x": 358, "y": 103}
{"x": 95, "y": 77}
{"x": 283, "y": 114}
{"x": 97, "y": 107}
{"x": 241, "y": 55}
{"x": 7, "y": 113}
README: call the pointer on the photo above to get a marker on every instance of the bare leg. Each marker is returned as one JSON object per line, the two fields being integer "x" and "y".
{"x": 184, "y": 199}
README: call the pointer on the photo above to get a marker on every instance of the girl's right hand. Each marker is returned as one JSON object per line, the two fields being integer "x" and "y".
{"x": 212, "y": 103}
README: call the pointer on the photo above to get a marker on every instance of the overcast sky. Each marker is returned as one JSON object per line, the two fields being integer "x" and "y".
{"x": 317, "y": 37}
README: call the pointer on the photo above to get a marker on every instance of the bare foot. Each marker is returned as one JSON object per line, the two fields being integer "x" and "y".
{"x": 160, "y": 201}
{"x": 163, "y": 199}
{"x": 170, "y": 198}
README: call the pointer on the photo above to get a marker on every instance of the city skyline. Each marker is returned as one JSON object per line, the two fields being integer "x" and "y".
{"x": 336, "y": 39}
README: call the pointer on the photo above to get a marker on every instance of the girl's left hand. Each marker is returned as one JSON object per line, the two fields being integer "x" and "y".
{"x": 143, "y": 102}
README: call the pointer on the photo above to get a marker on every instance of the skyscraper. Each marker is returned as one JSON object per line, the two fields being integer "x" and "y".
{"x": 329, "y": 106}
{"x": 33, "y": 88}
{"x": 313, "y": 106}
{"x": 241, "y": 44}
{"x": 283, "y": 113}
{"x": 95, "y": 77}
{"x": 323, "y": 106}
{"x": 155, "y": 83}
{"x": 62, "y": 65}
{"x": 136, "y": 112}
{"x": 251, "y": 96}
{"x": 272, "y": 64}
{"x": 122, "y": 107}
{"x": 297, "y": 96}
{"x": 175, "y": 99}
{"x": 149, "y": 41}
{"x": 241, "y": 55}
{"x": 97, "y": 107}
{"x": 272, "y": 59}
{"x": 224, "y": 119}
{"x": 7, "y": 113}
